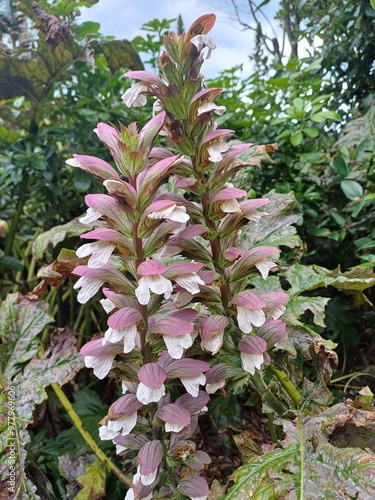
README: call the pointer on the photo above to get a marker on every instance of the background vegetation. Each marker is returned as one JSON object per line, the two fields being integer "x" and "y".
{"x": 58, "y": 78}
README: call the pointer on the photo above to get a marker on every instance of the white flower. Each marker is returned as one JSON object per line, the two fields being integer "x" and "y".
{"x": 173, "y": 427}
{"x": 177, "y": 343}
{"x": 147, "y": 395}
{"x": 230, "y": 206}
{"x": 248, "y": 317}
{"x": 214, "y": 343}
{"x": 91, "y": 216}
{"x": 211, "y": 388}
{"x": 251, "y": 362}
{"x": 107, "y": 305}
{"x": 201, "y": 41}
{"x": 130, "y": 494}
{"x": 264, "y": 267}
{"x": 129, "y": 334}
{"x": 120, "y": 448}
{"x": 211, "y": 106}
{"x": 101, "y": 364}
{"x": 192, "y": 384}
{"x": 100, "y": 252}
{"x": 89, "y": 287}
{"x": 189, "y": 282}
{"x": 157, "y": 284}
{"x": 145, "y": 480}
{"x": 134, "y": 97}
{"x": 107, "y": 433}
{"x": 216, "y": 149}
{"x": 156, "y": 108}
{"x": 275, "y": 312}
{"x": 173, "y": 212}
{"x": 124, "y": 425}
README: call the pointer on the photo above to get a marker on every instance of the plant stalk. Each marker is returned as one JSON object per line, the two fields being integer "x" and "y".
{"x": 86, "y": 435}
{"x": 287, "y": 384}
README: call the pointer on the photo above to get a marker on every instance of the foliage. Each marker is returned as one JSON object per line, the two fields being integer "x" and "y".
{"x": 52, "y": 85}
{"x": 25, "y": 375}
{"x": 315, "y": 460}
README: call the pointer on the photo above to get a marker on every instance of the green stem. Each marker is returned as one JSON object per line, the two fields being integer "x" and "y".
{"x": 287, "y": 384}
{"x": 226, "y": 294}
{"x": 272, "y": 427}
{"x": 350, "y": 375}
{"x": 86, "y": 435}
{"x": 265, "y": 392}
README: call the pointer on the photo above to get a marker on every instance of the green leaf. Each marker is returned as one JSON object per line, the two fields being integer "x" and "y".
{"x": 296, "y": 139}
{"x": 251, "y": 480}
{"x": 311, "y": 132}
{"x": 120, "y": 54}
{"x": 372, "y": 2}
{"x": 10, "y": 262}
{"x": 322, "y": 232}
{"x": 82, "y": 180}
{"x": 339, "y": 219}
{"x": 21, "y": 320}
{"x": 364, "y": 243}
{"x": 339, "y": 166}
{"x": 322, "y": 116}
{"x": 86, "y": 28}
{"x": 93, "y": 482}
{"x": 303, "y": 278}
{"x": 366, "y": 146}
{"x": 298, "y": 104}
{"x": 352, "y": 189}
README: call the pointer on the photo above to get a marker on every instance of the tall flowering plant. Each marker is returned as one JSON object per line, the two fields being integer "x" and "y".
{"x": 175, "y": 278}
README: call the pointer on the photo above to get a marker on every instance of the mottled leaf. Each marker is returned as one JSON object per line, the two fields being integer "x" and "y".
{"x": 59, "y": 364}
{"x": 298, "y": 305}
{"x": 57, "y": 235}
{"x": 22, "y": 318}
{"x": 276, "y": 229}
{"x": 313, "y": 467}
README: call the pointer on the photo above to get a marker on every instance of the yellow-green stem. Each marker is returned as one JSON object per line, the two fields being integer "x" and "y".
{"x": 86, "y": 435}
{"x": 287, "y": 384}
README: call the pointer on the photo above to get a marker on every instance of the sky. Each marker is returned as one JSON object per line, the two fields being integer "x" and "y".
{"x": 124, "y": 18}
